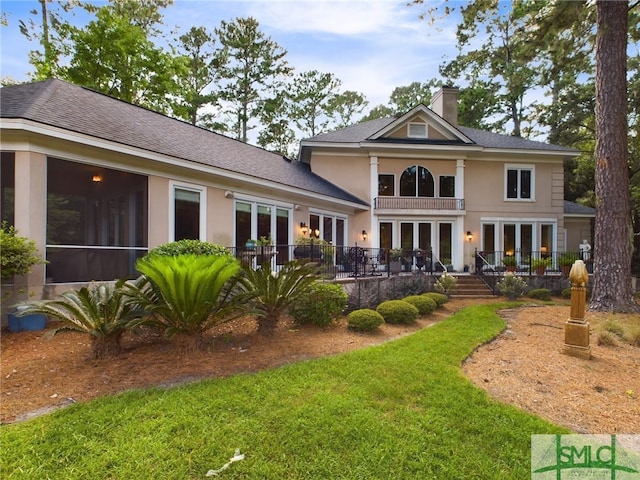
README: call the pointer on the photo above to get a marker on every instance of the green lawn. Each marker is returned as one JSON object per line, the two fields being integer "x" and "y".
{"x": 394, "y": 411}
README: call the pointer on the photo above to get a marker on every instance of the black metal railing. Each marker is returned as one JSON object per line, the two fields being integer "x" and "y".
{"x": 342, "y": 261}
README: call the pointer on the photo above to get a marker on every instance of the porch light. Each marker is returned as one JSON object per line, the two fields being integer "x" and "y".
{"x": 303, "y": 228}
{"x": 364, "y": 235}
{"x": 96, "y": 178}
{"x": 469, "y": 235}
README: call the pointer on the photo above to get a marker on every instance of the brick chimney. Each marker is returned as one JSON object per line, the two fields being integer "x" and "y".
{"x": 445, "y": 104}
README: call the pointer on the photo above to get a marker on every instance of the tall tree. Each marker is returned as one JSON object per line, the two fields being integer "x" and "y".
{"x": 49, "y": 27}
{"x": 501, "y": 61}
{"x": 612, "y": 258}
{"x": 115, "y": 55}
{"x": 199, "y": 61}
{"x": 254, "y": 68}
{"x": 346, "y": 106}
{"x": 311, "y": 97}
{"x": 277, "y": 134}
{"x": 403, "y": 99}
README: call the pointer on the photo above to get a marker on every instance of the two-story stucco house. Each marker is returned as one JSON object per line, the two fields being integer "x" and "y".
{"x": 96, "y": 182}
{"x": 433, "y": 184}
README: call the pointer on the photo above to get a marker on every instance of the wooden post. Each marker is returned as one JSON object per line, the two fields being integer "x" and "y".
{"x": 576, "y": 329}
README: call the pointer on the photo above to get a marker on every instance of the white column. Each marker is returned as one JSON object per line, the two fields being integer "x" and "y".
{"x": 460, "y": 178}
{"x": 374, "y": 241}
{"x": 460, "y": 229}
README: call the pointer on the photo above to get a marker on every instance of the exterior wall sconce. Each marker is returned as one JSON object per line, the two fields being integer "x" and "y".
{"x": 303, "y": 228}
{"x": 96, "y": 178}
{"x": 469, "y": 235}
{"x": 364, "y": 235}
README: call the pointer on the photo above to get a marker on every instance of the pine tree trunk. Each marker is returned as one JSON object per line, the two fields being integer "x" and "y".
{"x": 612, "y": 252}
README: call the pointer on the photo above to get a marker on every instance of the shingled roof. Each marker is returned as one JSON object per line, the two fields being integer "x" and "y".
{"x": 363, "y": 132}
{"x": 78, "y": 109}
{"x": 575, "y": 209}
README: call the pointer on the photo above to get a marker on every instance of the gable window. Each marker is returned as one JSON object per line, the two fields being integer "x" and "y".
{"x": 188, "y": 212}
{"x": 385, "y": 185}
{"x": 416, "y": 181}
{"x": 519, "y": 182}
{"x": 447, "y": 186}
{"x": 417, "y": 130}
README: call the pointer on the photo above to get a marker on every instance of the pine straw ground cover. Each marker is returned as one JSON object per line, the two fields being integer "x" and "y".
{"x": 523, "y": 366}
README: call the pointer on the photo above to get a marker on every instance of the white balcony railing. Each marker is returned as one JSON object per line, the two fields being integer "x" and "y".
{"x": 418, "y": 203}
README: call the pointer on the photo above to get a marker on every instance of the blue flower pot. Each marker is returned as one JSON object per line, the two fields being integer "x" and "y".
{"x": 35, "y": 321}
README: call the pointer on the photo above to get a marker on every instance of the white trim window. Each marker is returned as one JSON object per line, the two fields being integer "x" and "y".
{"x": 519, "y": 183}
{"x": 187, "y": 212}
{"x": 417, "y": 130}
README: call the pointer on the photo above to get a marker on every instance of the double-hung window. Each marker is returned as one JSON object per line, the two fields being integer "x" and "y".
{"x": 519, "y": 182}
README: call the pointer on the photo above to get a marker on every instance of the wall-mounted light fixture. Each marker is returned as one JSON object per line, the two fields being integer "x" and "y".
{"x": 303, "y": 228}
{"x": 364, "y": 235}
{"x": 96, "y": 178}
{"x": 469, "y": 235}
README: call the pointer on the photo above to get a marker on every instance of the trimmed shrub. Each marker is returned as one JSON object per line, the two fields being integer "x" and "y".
{"x": 540, "y": 294}
{"x": 364, "y": 320}
{"x": 566, "y": 293}
{"x": 322, "y": 305}
{"x": 190, "y": 247}
{"x": 439, "y": 298}
{"x": 425, "y": 305}
{"x": 512, "y": 286}
{"x": 398, "y": 312}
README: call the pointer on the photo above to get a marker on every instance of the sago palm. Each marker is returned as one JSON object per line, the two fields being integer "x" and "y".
{"x": 187, "y": 294}
{"x": 102, "y": 310}
{"x": 271, "y": 293}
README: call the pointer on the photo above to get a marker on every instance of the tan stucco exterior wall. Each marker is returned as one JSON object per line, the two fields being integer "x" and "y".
{"x": 219, "y": 217}
{"x": 349, "y": 172}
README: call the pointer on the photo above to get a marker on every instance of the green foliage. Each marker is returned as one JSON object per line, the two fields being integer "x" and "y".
{"x": 187, "y": 294}
{"x": 323, "y": 304}
{"x": 567, "y": 259}
{"x": 272, "y": 293}
{"x": 509, "y": 261}
{"x": 446, "y": 284}
{"x": 439, "y": 298}
{"x": 114, "y": 54}
{"x": 398, "y": 312}
{"x": 540, "y": 294}
{"x": 364, "y": 320}
{"x": 17, "y": 254}
{"x": 425, "y": 305}
{"x": 512, "y": 286}
{"x": 252, "y": 64}
{"x": 566, "y": 293}
{"x": 102, "y": 310}
{"x": 540, "y": 262}
{"x": 190, "y": 247}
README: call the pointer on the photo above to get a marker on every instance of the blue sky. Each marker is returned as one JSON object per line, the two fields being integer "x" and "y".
{"x": 371, "y": 46}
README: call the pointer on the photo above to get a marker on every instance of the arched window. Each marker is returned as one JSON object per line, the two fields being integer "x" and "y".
{"x": 416, "y": 181}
